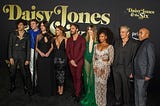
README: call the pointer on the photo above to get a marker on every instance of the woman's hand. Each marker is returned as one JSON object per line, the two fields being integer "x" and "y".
{"x": 47, "y": 54}
{"x": 147, "y": 78}
{"x": 26, "y": 62}
{"x": 95, "y": 70}
{"x": 42, "y": 54}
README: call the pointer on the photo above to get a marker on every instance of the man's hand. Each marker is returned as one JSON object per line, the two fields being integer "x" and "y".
{"x": 130, "y": 76}
{"x": 73, "y": 63}
{"x": 147, "y": 78}
{"x": 11, "y": 60}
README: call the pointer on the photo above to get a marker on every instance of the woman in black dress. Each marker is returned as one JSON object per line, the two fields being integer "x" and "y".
{"x": 44, "y": 47}
{"x": 60, "y": 58}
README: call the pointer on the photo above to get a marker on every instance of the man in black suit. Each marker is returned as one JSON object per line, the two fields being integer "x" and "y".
{"x": 125, "y": 49}
{"x": 19, "y": 54}
{"x": 143, "y": 67}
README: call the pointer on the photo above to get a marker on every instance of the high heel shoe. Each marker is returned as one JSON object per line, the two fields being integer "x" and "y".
{"x": 61, "y": 93}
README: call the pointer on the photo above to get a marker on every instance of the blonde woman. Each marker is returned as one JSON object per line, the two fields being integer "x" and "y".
{"x": 88, "y": 76}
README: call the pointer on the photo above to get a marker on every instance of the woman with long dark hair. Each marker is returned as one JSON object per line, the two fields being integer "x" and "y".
{"x": 44, "y": 47}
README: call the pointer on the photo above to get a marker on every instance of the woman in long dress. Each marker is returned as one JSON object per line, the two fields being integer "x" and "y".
{"x": 102, "y": 60}
{"x": 44, "y": 47}
{"x": 60, "y": 58}
{"x": 88, "y": 75}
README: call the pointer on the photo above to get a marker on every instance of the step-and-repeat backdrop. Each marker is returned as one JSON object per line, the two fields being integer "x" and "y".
{"x": 110, "y": 13}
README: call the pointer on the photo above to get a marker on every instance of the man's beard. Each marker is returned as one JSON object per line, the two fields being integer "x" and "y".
{"x": 73, "y": 33}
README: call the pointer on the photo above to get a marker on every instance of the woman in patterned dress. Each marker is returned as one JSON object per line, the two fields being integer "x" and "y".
{"x": 102, "y": 60}
{"x": 60, "y": 57}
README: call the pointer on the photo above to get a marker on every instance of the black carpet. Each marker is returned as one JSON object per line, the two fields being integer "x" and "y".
{"x": 18, "y": 98}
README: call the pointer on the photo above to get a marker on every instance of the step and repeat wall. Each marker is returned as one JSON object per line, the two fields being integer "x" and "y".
{"x": 110, "y": 13}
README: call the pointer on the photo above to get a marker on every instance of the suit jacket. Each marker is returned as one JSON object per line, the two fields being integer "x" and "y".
{"x": 21, "y": 49}
{"x": 75, "y": 49}
{"x": 144, "y": 60}
{"x": 129, "y": 56}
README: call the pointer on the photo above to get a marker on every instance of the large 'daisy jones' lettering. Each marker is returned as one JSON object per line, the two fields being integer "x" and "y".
{"x": 15, "y": 12}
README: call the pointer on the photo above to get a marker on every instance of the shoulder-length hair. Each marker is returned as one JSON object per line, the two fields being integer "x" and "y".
{"x": 62, "y": 29}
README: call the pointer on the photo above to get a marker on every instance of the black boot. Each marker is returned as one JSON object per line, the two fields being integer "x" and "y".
{"x": 77, "y": 99}
{"x": 12, "y": 89}
{"x": 12, "y": 85}
{"x": 73, "y": 95}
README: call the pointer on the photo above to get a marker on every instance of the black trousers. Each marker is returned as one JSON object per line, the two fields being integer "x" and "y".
{"x": 25, "y": 73}
{"x": 121, "y": 84}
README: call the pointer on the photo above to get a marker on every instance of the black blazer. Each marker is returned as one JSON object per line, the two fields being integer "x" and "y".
{"x": 24, "y": 45}
{"x": 132, "y": 47}
{"x": 144, "y": 60}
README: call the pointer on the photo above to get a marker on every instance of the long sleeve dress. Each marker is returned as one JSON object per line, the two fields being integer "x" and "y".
{"x": 103, "y": 71}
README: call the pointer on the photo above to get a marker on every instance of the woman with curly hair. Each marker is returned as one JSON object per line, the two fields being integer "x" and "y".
{"x": 102, "y": 60}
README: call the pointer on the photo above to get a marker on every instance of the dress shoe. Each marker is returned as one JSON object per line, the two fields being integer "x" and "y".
{"x": 118, "y": 103}
{"x": 34, "y": 90}
{"x": 77, "y": 99}
{"x": 27, "y": 91}
{"x": 73, "y": 95}
{"x": 60, "y": 94}
{"x": 12, "y": 89}
{"x": 126, "y": 105}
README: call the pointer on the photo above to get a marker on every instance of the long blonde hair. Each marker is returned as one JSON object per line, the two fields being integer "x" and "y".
{"x": 94, "y": 29}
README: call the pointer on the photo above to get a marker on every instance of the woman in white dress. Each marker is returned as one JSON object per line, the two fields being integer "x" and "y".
{"x": 102, "y": 60}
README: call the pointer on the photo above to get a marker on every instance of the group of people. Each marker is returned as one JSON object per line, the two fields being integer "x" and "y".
{"x": 43, "y": 59}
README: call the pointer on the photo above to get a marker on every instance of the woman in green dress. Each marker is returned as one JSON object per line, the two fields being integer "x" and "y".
{"x": 88, "y": 75}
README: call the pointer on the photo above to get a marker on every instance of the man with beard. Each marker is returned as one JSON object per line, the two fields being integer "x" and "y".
{"x": 75, "y": 52}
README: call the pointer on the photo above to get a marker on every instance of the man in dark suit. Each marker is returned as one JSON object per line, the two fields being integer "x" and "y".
{"x": 125, "y": 49}
{"x": 19, "y": 54}
{"x": 75, "y": 51}
{"x": 143, "y": 67}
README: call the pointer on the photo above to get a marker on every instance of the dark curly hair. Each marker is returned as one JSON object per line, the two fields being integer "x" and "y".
{"x": 24, "y": 22}
{"x": 107, "y": 32}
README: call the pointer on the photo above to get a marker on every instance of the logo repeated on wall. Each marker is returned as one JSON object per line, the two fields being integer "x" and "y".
{"x": 140, "y": 13}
